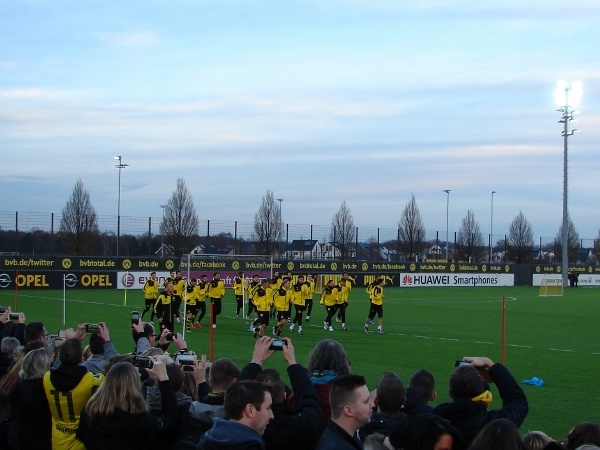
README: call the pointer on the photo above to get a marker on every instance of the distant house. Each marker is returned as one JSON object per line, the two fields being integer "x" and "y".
{"x": 211, "y": 250}
{"x": 303, "y": 249}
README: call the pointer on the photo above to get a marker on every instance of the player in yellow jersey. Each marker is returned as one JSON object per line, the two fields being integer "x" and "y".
{"x": 300, "y": 291}
{"x": 150, "y": 290}
{"x": 329, "y": 298}
{"x": 282, "y": 299}
{"x": 216, "y": 292}
{"x": 310, "y": 282}
{"x": 239, "y": 285}
{"x": 262, "y": 298}
{"x": 250, "y": 289}
{"x": 342, "y": 302}
{"x": 68, "y": 388}
{"x": 191, "y": 300}
{"x": 201, "y": 294}
{"x": 376, "y": 307}
{"x": 179, "y": 285}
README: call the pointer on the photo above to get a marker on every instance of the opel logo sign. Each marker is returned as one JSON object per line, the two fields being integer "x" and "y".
{"x": 4, "y": 280}
{"x": 70, "y": 280}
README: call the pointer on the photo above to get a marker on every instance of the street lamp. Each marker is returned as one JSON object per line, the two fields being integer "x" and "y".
{"x": 492, "y": 228}
{"x": 447, "y": 191}
{"x": 566, "y": 97}
{"x": 119, "y": 166}
{"x": 280, "y": 226}
{"x": 162, "y": 235}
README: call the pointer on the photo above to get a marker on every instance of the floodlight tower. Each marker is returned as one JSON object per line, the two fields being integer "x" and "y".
{"x": 119, "y": 166}
{"x": 492, "y": 228}
{"x": 566, "y": 97}
{"x": 447, "y": 191}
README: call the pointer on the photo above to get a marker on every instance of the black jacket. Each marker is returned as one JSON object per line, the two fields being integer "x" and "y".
{"x": 415, "y": 404}
{"x": 293, "y": 427}
{"x": 470, "y": 417}
{"x": 126, "y": 430}
{"x": 336, "y": 438}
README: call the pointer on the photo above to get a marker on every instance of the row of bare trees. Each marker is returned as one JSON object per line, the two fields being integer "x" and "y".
{"x": 180, "y": 224}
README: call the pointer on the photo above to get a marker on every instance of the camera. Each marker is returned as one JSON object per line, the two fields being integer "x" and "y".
{"x": 15, "y": 316}
{"x": 277, "y": 344}
{"x": 461, "y": 363}
{"x": 92, "y": 328}
{"x": 186, "y": 362}
{"x": 143, "y": 362}
{"x": 135, "y": 317}
{"x": 171, "y": 336}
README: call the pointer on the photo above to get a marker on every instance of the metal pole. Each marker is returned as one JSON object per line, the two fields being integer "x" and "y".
{"x": 119, "y": 166}
{"x": 447, "y": 191}
{"x": 492, "y": 228}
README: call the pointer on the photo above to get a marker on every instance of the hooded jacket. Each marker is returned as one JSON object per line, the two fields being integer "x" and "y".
{"x": 227, "y": 434}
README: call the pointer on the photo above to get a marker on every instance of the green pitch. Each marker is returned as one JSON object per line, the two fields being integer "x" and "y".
{"x": 553, "y": 338}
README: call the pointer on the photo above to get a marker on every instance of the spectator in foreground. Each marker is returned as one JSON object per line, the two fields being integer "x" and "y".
{"x": 583, "y": 433}
{"x": 326, "y": 362}
{"x": 470, "y": 394}
{"x": 116, "y": 417}
{"x": 420, "y": 392}
{"x": 248, "y": 407}
{"x": 536, "y": 440}
{"x": 351, "y": 408}
{"x": 296, "y": 426}
{"x": 499, "y": 434}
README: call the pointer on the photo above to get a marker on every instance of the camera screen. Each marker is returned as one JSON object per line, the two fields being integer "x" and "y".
{"x": 277, "y": 344}
{"x": 92, "y": 328}
{"x": 142, "y": 362}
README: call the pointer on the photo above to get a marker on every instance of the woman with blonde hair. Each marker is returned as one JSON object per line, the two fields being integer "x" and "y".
{"x": 116, "y": 416}
{"x": 28, "y": 403}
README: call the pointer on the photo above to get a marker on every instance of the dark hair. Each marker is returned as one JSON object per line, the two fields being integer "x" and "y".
{"x": 465, "y": 383}
{"x": 96, "y": 344}
{"x": 343, "y": 392}
{"x": 273, "y": 379}
{"x": 34, "y": 331}
{"x": 423, "y": 383}
{"x": 222, "y": 373}
{"x": 583, "y": 433}
{"x": 422, "y": 433}
{"x": 148, "y": 330}
{"x": 71, "y": 352}
{"x": 329, "y": 354}
{"x": 499, "y": 434}
{"x": 33, "y": 345}
{"x": 176, "y": 377}
{"x": 391, "y": 393}
{"x": 242, "y": 393}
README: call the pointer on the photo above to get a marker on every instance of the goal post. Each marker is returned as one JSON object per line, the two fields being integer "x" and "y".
{"x": 551, "y": 287}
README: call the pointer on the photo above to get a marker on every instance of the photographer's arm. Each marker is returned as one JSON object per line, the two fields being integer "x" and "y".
{"x": 261, "y": 353}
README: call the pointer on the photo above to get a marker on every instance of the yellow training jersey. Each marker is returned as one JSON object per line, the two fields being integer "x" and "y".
{"x": 216, "y": 289}
{"x": 300, "y": 292}
{"x": 377, "y": 295}
{"x": 329, "y": 296}
{"x": 150, "y": 289}
{"x": 66, "y": 406}
{"x": 262, "y": 299}
{"x": 239, "y": 284}
{"x": 282, "y": 298}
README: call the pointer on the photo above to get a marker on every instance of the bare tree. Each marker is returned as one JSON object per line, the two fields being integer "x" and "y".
{"x": 572, "y": 240}
{"x": 180, "y": 224}
{"x": 470, "y": 240}
{"x": 343, "y": 231}
{"x": 79, "y": 223}
{"x": 520, "y": 239}
{"x": 267, "y": 225}
{"x": 411, "y": 230}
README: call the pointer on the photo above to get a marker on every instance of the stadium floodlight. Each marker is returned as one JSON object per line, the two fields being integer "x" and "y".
{"x": 119, "y": 166}
{"x": 280, "y": 227}
{"x": 447, "y": 191}
{"x": 492, "y": 228}
{"x": 566, "y": 97}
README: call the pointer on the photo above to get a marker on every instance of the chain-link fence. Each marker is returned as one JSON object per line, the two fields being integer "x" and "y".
{"x": 34, "y": 233}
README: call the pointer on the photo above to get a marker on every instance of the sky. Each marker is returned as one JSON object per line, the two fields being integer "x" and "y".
{"x": 319, "y": 101}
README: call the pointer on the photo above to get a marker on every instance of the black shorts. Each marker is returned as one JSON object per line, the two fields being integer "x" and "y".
{"x": 282, "y": 315}
{"x": 150, "y": 302}
{"x": 192, "y": 309}
{"x": 263, "y": 317}
{"x": 375, "y": 310}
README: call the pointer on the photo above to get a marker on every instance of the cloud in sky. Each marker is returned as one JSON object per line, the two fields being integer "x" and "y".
{"x": 321, "y": 102}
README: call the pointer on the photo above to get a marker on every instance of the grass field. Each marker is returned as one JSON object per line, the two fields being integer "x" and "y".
{"x": 552, "y": 338}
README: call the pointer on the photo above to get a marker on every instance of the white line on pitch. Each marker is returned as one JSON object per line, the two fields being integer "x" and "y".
{"x": 561, "y": 350}
{"x": 449, "y": 339}
{"x": 422, "y": 337}
{"x": 520, "y": 346}
{"x": 483, "y": 342}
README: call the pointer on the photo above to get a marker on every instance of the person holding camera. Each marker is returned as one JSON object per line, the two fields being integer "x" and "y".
{"x": 116, "y": 416}
{"x": 468, "y": 411}
{"x": 295, "y": 426}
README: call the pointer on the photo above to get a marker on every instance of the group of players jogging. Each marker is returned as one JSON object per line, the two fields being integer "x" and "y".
{"x": 275, "y": 298}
